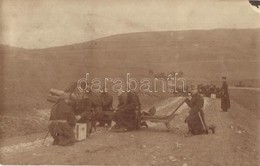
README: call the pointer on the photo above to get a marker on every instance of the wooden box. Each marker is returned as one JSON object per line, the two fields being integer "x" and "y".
{"x": 80, "y": 131}
{"x": 213, "y": 96}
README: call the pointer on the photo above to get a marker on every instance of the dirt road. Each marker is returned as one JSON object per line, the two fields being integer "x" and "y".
{"x": 234, "y": 143}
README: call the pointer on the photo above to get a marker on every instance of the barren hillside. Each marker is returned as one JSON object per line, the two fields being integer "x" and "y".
{"x": 203, "y": 56}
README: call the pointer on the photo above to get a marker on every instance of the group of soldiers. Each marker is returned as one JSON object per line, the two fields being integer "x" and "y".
{"x": 90, "y": 108}
{"x": 209, "y": 89}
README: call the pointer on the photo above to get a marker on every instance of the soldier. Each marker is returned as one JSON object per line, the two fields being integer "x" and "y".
{"x": 96, "y": 103}
{"x": 107, "y": 102}
{"x": 195, "y": 119}
{"x": 122, "y": 100}
{"x": 83, "y": 105}
{"x": 225, "y": 101}
{"x": 62, "y": 123}
{"x": 84, "y": 111}
{"x": 89, "y": 108}
{"x": 128, "y": 109}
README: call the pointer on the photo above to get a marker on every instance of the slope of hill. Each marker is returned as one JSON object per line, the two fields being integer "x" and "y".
{"x": 202, "y": 55}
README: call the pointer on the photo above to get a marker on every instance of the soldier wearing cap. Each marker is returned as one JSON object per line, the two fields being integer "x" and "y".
{"x": 195, "y": 119}
{"x": 225, "y": 101}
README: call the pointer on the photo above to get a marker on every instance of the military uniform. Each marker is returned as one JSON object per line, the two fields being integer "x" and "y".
{"x": 96, "y": 105}
{"x": 62, "y": 123}
{"x": 90, "y": 110}
{"x": 84, "y": 108}
{"x": 195, "y": 118}
{"x": 122, "y": 101}
{"x": 225, "y": 101}
{"x": 107, "y": 102}
{"x": 126, "y": 115}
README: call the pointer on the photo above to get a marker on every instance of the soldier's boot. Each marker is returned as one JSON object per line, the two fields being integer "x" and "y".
{"x": 144, "y": 124}
{"x": 212, "y": 128}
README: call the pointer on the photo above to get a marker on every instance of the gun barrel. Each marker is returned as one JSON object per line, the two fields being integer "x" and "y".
{"x": 56, "y": 92}
{"x": 52, "y": 99}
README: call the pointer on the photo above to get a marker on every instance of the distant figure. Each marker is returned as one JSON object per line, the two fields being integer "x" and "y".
{"x": 225, "y": 101}
{"x": 195, "y": 119}
{"x": 62, "y": 123}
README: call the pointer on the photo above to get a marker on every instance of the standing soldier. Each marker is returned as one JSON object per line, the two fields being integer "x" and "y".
{"x": 225, "y": 101}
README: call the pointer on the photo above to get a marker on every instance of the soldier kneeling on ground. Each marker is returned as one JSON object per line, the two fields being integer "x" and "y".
{"x": 195, "y": 119}
{"x": 62, "y": 123}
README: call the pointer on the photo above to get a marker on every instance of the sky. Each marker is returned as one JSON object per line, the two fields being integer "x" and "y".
{"x": 48, "y": 23}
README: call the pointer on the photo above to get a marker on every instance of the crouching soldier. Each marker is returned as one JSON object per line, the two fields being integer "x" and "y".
{"x": 195, "y": 119}
{"x": 107, "y": 102}
{"x": 62, "y": 123}
{"x": 126, "y": 116}
{"x": 84, "y": 111}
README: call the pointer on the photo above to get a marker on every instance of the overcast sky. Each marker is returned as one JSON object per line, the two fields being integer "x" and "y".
{"x": 48, "y": 23}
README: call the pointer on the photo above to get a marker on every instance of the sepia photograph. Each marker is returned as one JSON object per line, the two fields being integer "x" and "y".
{"x": 130, "y": 82}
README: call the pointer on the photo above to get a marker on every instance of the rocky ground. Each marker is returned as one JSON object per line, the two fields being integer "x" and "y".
{"x": 234, "y": 143}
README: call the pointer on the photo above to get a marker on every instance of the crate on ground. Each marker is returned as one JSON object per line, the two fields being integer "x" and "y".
{"x": 213, "y": 95}
{"x": 80, "y": 131}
